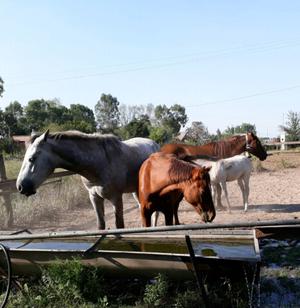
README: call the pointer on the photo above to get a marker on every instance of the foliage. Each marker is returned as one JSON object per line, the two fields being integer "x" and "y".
{"x": 156, "y": 294}
{"x": 128, "y": 113}
{"x": 36, "y": 113}
{"x": 15, "y": 121}
{"x": 172, "y": 118}
{"x": 1, "y": 87}
{"x": 292, "y": 127}
{"x": 197, "y": 133}
{"x": 107, "y": 113}
{"x": 160, "y": 134}
{"x": 64, "y": 285}
{"x": 135, "y": 128}
{"x": 240, "y": 129}
{"x": 71, "y": 284}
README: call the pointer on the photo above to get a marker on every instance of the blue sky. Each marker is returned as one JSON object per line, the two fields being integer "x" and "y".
{"x": 227, "y": 62}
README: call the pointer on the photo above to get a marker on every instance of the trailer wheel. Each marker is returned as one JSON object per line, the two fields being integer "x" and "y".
{"x": 5, "y": 275}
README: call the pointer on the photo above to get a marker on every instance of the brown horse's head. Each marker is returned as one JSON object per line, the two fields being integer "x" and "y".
{"x": 198, "y": 194}
{"x": 254, "y": 146}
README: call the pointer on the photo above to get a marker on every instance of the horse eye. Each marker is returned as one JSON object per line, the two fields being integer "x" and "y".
{"x": 31, "y": 159}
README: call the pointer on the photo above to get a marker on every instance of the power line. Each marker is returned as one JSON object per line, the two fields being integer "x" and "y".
{"x": 183, "y": 59}
{"x": 239, "y": 98}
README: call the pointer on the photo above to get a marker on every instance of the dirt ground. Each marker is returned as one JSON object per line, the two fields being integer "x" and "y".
{"x": 274, "y": 195}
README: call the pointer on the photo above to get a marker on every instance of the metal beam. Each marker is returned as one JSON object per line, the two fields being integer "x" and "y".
{"x": 191, "y": 227}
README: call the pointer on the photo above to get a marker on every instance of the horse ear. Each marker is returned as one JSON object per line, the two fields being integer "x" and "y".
{"x": 196, "y": 174}
{"x": 46, "y": 133}
{"x": 207, "y": 168}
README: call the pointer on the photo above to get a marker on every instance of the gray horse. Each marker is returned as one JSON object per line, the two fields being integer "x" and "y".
{"x": 108, "y": 167}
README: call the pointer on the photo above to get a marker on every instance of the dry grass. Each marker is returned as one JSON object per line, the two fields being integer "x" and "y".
{"x": 277, "y": 161}
{"x": 47, "y": 205}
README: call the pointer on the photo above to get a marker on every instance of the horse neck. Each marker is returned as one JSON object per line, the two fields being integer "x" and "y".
{"x": 239, "y": 146}
{"x": 72, "y": 156}
{"x": 228, "y": 148}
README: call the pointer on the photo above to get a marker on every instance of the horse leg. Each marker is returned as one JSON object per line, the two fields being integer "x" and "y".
{"x": 175, "y": 209}
{"x": 218, "y": 189}
{"x": 224, "y": 187}
{"x": 242, "y": 187}
{"x": 146, "y": 217}
{"x": 169, "y": 216}
{"x": 175, "y": 213}
{"x": 98, "y": 205}
{"x": 154, "y": 218}
{"x": 118, "y": 206}
{"x": 135, "y": 197}
{"x": 246, "y": 186}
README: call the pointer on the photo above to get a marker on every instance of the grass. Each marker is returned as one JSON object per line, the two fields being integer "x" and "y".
{"x": 285, "y": 164}
{"x": 70, "y": 284}
{"x": 49, "y": 202}
{"x": 12, "y": 167}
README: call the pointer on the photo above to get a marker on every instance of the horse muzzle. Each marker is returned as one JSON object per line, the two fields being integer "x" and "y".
{"x": 208, "y": 216}
{"x": 26, "y": 188}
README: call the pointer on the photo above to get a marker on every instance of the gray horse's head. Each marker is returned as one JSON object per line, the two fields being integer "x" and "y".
{"x": 36, "y": 167}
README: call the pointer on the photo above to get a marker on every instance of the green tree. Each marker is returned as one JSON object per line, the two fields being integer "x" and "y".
{"x": 130, "y": 112}
{"x": 172, "y": 118}
{"x": 15, "y": 120}
{"x": 3, "y": 128}
{"x": 239, "y": 129}
{"x": 107, "y": 113}
{"x": 136, "y": 128}
{"x": 197, "y": 133}
{"x": 36, "y": 113}
{"x": 160, "y": 134}
{"x": 292, "y": 126}
{"x": 1, "y": 87}
{"x": 83, "y": 118}
{"x": 57, "y": 113}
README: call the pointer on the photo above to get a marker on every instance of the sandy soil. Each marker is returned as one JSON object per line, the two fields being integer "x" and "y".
{"x": 274, "y": 195}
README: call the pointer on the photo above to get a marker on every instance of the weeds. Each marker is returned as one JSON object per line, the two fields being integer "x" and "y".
{"x": 71, "y": 284}
{"x": 285, "y": 164}
{"x": 156, "y": 294}
{"x": 48, "y": 203}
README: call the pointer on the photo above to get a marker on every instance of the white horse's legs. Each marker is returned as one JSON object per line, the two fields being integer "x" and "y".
{"x": 224, "y": 187}
{"x": 155, "y": 215}
{"x": 218, "y": 192}
{"x": 244, "y": 186}
{"x": 98, "y": 204}
{"x": 154, "y": 218}
{"x": 118, "y": 206}
{"x": 135, "y": 197}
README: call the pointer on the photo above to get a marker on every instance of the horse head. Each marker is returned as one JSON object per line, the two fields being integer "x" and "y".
{"x": 36, "y": 167}
{"x": 198, "y": 193}
{"x": 254, "y": 146}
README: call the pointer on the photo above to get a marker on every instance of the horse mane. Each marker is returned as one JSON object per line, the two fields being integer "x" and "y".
{"x": 180, "y": 171}
{"x": 77, "y": 135}
{"x": 223, "y": 147}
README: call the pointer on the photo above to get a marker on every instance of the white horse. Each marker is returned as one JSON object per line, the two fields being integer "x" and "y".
{"x": 108, "y": 167}
{"x": 238, "y": 168}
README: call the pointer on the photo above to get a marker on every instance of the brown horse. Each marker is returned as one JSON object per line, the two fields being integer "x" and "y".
{"x": 221, "y": 149}
{"x": 164, "y": 180}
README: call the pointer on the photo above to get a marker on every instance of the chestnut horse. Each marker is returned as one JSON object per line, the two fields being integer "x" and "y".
{"x": 164, "y": 180}
{"x": 220, "y": 149}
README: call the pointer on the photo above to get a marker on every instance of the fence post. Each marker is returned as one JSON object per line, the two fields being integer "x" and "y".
{"x": 283, "y": 146}
{"x": 6, "y": 196}
{"x": 2, "y": 169}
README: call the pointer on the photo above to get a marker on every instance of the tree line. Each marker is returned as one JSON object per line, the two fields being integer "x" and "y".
{"x": 160, "y": 123}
